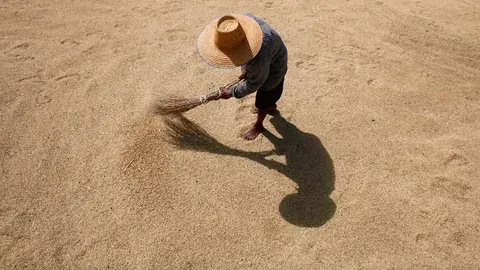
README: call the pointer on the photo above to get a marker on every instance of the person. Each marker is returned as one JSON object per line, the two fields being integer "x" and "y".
{"x": 245, "y": 40}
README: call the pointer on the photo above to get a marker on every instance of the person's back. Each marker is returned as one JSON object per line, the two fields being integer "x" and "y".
{"x": 268, "y": 68}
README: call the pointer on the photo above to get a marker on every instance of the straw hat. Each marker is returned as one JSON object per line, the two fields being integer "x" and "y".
{"x": 230, "y": 41}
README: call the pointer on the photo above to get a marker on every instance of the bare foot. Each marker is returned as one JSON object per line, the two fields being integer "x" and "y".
{"x": 274, "y": 107}
{"x": 252, "y": 133}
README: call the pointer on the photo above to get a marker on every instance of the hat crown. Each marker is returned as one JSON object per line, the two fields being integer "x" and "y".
{"x": 229, "y": 33}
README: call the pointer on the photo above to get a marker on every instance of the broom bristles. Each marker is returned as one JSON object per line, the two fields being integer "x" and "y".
{"x": 176, "y": 105}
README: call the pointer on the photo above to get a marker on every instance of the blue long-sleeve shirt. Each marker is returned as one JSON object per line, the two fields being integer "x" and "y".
{"x": 267, "y": 69}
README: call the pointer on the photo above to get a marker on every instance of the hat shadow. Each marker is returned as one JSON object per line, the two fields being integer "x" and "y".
{"x": 308, "y": 164}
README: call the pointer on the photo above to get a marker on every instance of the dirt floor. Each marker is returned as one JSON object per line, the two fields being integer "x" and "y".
{"x": 371, "y": 162}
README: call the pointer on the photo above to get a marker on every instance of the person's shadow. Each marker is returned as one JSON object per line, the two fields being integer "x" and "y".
{"x": 307, "y": 163}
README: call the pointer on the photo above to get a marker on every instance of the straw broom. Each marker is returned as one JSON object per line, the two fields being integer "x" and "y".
{"x": 175, "y": 105}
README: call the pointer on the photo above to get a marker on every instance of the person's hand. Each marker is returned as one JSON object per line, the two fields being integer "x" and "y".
{"x": 224, "y": 93}
{"x": 243, "y": 75}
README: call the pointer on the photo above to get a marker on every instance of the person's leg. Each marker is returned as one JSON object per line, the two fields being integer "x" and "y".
{"x": 272, "y": 108}
{"x": 257, "y": 128}
{"x": 264, "y": 102}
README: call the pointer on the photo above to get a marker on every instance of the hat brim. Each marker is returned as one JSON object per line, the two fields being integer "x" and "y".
{"x": 210, "y": 53}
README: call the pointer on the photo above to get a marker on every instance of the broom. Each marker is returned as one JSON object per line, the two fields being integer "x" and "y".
{"x": 175, "y": 105}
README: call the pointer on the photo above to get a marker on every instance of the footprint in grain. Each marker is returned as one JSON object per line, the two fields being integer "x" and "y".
{"x": 172, "y": 6}
{"x": 445, "y": 186}
{"x": 174, "y": 34}
{"x": 22, "y": 57}
{"x": 18, "y": 50}
{"x": 22, "y": 46}
{"x": 43, "y": 99}
{"x": 458, "y": 238}
{"x": 455, "y": 160}
{"x": 70, "y": 42}
{"x": 33, "y": 78}
{"x": 423, "y": 238}
{"x": 67, "y": 76}
{"x": 268, "y": 5}
{"x": 305, "y": 61}
{"x": 332, "y": 80}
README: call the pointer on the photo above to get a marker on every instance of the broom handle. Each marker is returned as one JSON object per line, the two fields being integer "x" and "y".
{"x": 214, "y": 95}
{"x": 233, "y": 83}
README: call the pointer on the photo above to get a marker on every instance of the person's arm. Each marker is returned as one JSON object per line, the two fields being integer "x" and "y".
{"x": 255, "y": 76}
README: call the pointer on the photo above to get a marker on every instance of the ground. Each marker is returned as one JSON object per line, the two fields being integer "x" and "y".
{"x": 370, "y": 163}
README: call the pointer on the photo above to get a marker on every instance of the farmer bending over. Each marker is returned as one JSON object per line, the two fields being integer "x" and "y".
{"x": 245, "y": 40}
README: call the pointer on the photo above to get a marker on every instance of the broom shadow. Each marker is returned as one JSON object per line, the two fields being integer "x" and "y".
{"x": 307, "y": 163}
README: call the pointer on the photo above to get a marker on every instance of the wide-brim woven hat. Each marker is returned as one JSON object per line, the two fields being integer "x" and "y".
{"x": 230, "y": 41}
